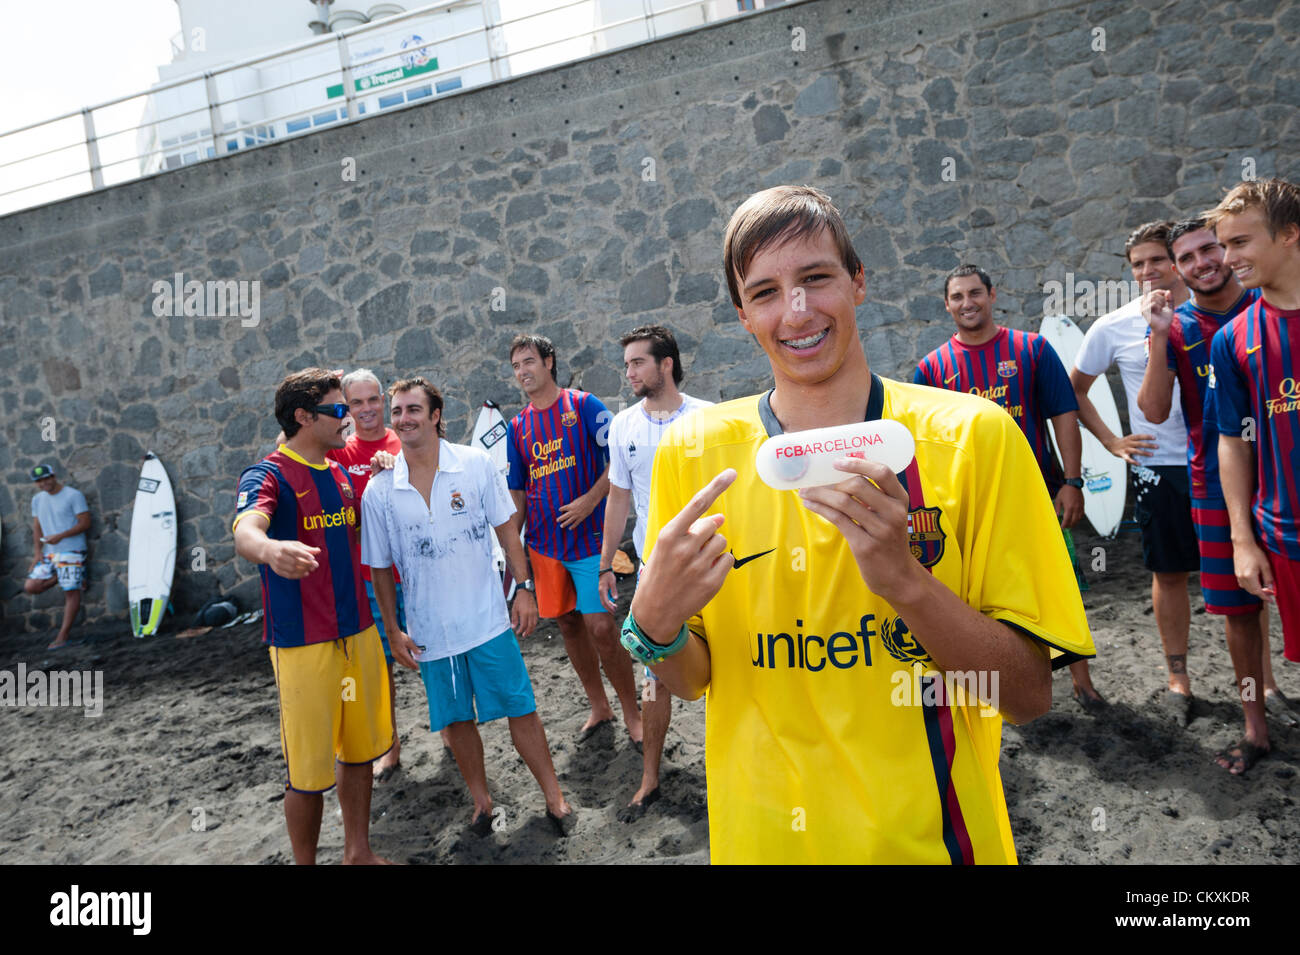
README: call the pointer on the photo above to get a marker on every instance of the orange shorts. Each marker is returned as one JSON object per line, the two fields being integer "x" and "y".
{"x": 566, "y": 585}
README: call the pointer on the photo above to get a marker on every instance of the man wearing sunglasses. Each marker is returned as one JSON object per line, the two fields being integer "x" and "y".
{"x": 297, "y": 517}
{"x": 365, "y": 398}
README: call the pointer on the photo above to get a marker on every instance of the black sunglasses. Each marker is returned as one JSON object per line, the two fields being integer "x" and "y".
{"x": 338, "y": 410}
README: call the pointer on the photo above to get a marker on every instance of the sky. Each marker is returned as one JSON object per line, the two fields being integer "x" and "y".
{"x": 106, "y": 49}
{"x": 112, "y": 48}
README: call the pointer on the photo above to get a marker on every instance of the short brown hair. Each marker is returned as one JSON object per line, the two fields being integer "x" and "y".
{"x": 421, "y": 384}
{"x": 1155, "y": 231}
{"x": 1278, "y": 199}
{"x": 544, "y": 349}
{"x": 776, "y": 215}
{"x": 303, "y": 389}
{"x": 662, "y": 345}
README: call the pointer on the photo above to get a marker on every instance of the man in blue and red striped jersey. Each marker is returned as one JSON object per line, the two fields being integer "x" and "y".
{"x": 365, "y": 397}
{"x": 1183, "y": 337}
{"x": 1020, "y": 372}
{"x": 1256, "y": 361}
{"x": 297, "y": 517}
{"x": 558, "y": 477}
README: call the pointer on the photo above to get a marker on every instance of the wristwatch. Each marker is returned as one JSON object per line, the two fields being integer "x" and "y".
{"x": 1075, "y": 482}
{"x": 529, "y": 585}
{"x": 648, "y": 652}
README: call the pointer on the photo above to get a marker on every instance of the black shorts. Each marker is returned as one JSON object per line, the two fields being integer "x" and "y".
{"x": 1163, "y": 511}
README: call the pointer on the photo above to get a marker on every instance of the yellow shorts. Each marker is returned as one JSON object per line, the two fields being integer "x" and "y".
{"x": 334, "y": 704}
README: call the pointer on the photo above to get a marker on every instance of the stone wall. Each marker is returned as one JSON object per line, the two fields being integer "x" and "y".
{"x": 1026, "y": 137}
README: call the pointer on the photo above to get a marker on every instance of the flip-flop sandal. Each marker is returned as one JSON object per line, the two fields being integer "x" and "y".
{"x": 1247, "y": 754}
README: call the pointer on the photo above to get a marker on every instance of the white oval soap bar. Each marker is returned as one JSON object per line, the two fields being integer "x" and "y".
{"x": 807, "y": 458}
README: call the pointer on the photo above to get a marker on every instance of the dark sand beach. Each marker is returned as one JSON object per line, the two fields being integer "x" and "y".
{"x": 189, "y": 735}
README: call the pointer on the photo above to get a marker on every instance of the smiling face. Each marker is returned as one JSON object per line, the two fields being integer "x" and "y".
{"x": 1199, "y": 259}
{"x": 533, "y": 374}
{"x": 416, "y": 428}
{"x": 49, "y": 484}
{"x": 366, "y": 405}
{"x": 970, "y": 304}
{"x": 1152, "y": 266}
{"x": 644, "y": 374}
{"x": 798, "y": 301}
{"x": 1258, "y": 259}
{"x": 323, "y": 429}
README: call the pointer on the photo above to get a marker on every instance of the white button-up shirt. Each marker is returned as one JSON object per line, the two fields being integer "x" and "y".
{"x": 443, "y": 550}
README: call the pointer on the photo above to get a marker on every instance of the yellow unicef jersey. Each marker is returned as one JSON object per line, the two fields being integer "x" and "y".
{"x": 826, "y": 740}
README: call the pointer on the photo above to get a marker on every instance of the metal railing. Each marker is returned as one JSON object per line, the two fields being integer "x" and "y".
{"x": 219, "y": 137}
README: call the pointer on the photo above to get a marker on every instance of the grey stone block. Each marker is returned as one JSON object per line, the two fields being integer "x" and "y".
{"x": 645, "y": 290}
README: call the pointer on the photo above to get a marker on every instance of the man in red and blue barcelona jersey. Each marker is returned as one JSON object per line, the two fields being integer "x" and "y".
{"x": 1022, "y": 373}
{"x": 297, "y": 517}
{"x": 1183, "y": 336}
{"x": 558, "y": 477}
{"x": 1257, "y": 395}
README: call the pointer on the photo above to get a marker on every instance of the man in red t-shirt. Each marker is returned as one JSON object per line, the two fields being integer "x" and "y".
{"x": 365, "y": 398}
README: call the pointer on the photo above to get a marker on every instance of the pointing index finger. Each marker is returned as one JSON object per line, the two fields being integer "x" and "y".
{"x": 702, "y": 500}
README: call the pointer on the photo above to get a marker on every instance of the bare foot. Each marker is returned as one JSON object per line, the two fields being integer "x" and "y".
{"x": 387, "y": 765}
{"x": 367, "y": 857}
{"x": 640, "y": 802}
{"x": 598, "y": 716}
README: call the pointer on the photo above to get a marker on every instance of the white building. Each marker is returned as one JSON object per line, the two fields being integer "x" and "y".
{"x": 295, "y": 83}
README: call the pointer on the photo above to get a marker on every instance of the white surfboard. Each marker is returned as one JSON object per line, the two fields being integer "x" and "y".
{"x": 151, "y": 560}
{"x": 1104, "y": 476}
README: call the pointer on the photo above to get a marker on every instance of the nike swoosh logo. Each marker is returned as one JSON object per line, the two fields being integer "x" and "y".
{"x": 740, "y": 561}
{"x": 1192, "y": 345}
{"x": 949, "y": 381}
{"x": 1251, "y": 351}
{"x": 303, "y": 494}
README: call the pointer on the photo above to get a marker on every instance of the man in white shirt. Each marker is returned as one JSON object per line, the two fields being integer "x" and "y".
{"x": 60, "y": 519}
{"x": 653, "y": 367}
{"x": 1157, "y": 453}
{"x": 431, "y": 516}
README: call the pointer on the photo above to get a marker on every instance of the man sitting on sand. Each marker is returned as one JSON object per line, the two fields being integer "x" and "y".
{"x": 431, "y": 516}
{"x": 296, "y": 517}
{"x": 60, "y": 519}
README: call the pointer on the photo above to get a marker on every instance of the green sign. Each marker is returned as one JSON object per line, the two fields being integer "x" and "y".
{"x": 364, "y": 84}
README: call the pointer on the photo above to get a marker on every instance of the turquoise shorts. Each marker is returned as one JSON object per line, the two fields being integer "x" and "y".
{"x": 490, "y": 679}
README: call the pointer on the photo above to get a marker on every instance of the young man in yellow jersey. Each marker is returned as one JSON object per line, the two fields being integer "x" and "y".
{"x": 846, "y": 635}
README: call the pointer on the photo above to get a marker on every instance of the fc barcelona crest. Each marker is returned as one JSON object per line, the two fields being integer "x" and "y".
{"x": 1008, "y": 369}
{"x": 569, "y": 418}
{"x": 346, "y": 488}
{"x": 925, "y": 535}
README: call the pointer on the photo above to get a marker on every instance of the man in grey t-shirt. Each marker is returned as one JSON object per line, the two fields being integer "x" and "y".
{"x": 60, "y": 519}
